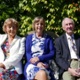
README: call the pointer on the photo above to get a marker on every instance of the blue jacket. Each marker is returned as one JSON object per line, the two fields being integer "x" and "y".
{"x": 48, "y": 50}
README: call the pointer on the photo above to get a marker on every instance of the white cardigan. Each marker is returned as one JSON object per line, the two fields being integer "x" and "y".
{"x": 17, "y": 50}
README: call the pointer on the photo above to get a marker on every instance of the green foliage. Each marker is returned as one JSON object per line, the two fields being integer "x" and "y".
{"x": 52, "y": 10}
{"x": 8, "y": 8}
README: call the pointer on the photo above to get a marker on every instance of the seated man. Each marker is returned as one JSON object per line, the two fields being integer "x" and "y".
{"x": 68, "y": 51}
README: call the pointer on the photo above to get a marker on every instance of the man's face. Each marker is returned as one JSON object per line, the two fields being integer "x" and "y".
{"x": 68, "y": 26}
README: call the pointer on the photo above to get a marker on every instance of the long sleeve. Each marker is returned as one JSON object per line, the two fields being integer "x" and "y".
{"x": 49, "y": 50}
{"x": 28, "y": 47}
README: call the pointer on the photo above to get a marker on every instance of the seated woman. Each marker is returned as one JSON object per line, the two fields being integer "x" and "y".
{"x": 39, "y": 50}
{"x": 12, "y": 49}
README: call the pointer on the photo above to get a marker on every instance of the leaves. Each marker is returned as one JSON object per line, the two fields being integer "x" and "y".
{"x": 52, "y": 10}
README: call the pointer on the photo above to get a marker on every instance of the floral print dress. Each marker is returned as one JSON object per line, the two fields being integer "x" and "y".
{"x": 5, "y": 48}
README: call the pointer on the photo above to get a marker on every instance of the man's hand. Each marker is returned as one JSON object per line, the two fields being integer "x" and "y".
{"x": 73, "y": 72}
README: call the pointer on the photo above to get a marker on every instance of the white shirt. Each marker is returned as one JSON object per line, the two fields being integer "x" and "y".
{"x": 72, "y": 52}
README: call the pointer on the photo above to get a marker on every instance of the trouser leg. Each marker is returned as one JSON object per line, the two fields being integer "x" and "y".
{"x": 67, "y": 76}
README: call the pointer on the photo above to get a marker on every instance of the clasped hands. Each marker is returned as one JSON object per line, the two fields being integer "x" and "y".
{"x": 74, "y": 72}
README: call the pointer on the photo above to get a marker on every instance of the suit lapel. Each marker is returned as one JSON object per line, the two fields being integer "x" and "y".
{"x": 65, "y": 41}
{"x": 66, "y": 45}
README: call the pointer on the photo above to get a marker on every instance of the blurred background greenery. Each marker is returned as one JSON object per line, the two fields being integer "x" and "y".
{"x": 52, "y": 10}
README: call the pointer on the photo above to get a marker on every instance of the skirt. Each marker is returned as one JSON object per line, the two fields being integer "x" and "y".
{"x": 32, "y": 70}
{"x": 9, "y": 75}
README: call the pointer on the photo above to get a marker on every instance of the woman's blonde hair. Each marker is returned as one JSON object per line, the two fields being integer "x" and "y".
{"x": 37, "y": 19}
{"x": 9, "y": 21}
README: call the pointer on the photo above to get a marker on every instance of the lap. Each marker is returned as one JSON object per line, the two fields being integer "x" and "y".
{"x": 9, "y": 75}
{"x": 67, "y": 76}
{"x": 31, "y": 71}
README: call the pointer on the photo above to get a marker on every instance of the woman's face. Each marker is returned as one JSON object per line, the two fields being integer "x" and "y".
{"x": 11, "y": 29}
{"x": 39, "y": 27}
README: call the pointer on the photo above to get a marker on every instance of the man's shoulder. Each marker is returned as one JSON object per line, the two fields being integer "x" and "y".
{"x": 77, "y": 36}
{"x": 60, "y": 37}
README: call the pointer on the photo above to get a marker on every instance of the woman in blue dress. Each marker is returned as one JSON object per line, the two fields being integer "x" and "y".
{"x": 39, "y": 50}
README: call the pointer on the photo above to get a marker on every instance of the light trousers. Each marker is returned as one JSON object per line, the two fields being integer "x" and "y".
{"x": 66, "y": 75}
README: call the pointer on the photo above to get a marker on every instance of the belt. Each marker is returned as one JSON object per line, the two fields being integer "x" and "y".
{"x": 74, "y": 59}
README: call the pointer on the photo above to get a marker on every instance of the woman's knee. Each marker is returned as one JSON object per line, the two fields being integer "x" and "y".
{"x": 41, "y": 73}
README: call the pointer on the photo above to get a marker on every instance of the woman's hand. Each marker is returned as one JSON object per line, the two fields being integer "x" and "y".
{"x": 42, "y": 65}
{"x": 2, "y": 65}
{"x": 34, "y": 60}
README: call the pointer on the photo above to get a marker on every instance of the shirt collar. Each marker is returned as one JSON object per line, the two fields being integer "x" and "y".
{"x": 68, "y": 36}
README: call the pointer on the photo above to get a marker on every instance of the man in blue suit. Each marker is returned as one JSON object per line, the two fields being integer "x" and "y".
{"x": 68, "y": 51}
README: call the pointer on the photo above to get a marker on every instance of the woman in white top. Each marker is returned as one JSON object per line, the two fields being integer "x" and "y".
{"x": 12, "y": 48}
